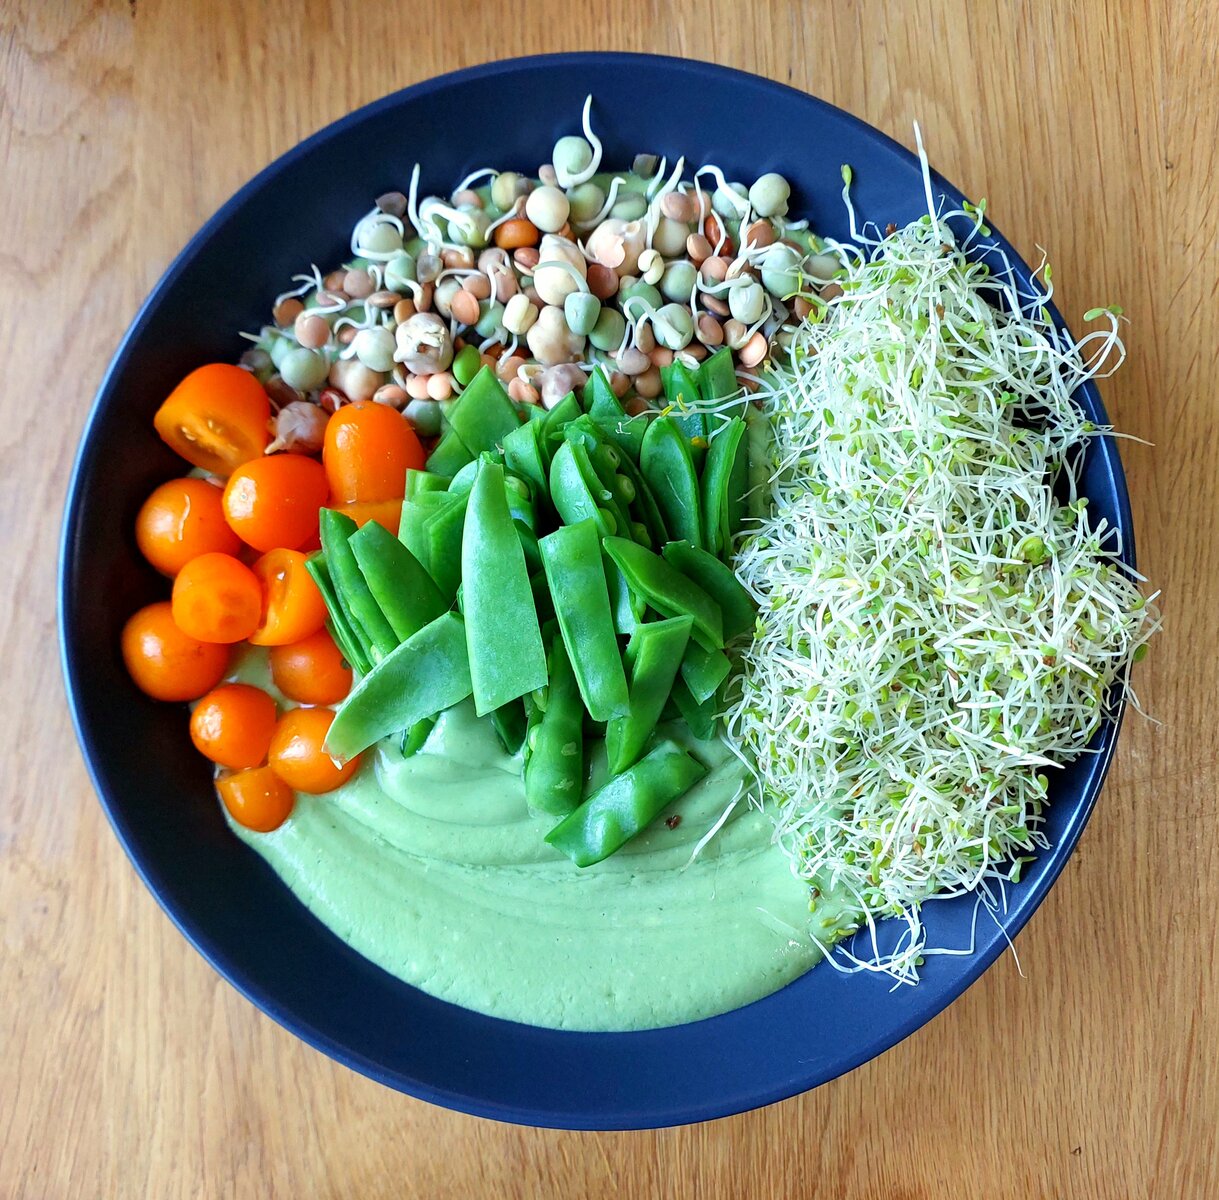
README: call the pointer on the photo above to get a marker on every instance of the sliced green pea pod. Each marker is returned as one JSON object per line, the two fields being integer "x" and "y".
{"x": 482, "y": 416}
{"x": 426, "y": 674}
{"x": 644, "y": 505}
{"x": 700, "y": 717}
{"x": 573, "y": 499}
{"x": 505, "y": 643}
{"x": 668, "y": 591}
{"x": 509, "y": 723}
{"x": 567, "y": 409}
{"x": 681, "y": 391}
{"x": 365, "y": 613}
{"x": 603, "y": 406}
{"x": 703, "y": 671}
{"x": 524, "y": 458}
{"x": 654, "y": 655}
{"x": 626, "y": 805}
{"x": 571, "y": 557}
{"x": 449, "y": 455}
{"x": 724, "y": 482}
{"x": 414, "y": 738}
{"x": 668, "y": 466}
{"x": 338, "y": 621}
{"x": 423, "y": 481}
{"x": 758, "y": 437}
{"x": 402, "y": 588}
{"x": 443, "y": 532}
{"x": 412, "y": 528}
{"x": 554, "y": 769}
{"x": 717, "y": 377}
{"x": 627, "y": 607}
{"x": 719, "y": 582}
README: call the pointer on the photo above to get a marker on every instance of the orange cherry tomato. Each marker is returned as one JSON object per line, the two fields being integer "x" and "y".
{"x": 232, "y": 725}
{"x": 292, "y": 607}
{"x": 385, "y": 512}
{"x": 181, "y": 520}
{"x": 367, "y": 451}
{"x": 298, "y": 755}
{"x": 273, "y": 501}
{"x": 311, "y": 671}
{"x": 166, "y": 663}
{"x": 257, "y": 798}
{"x": 217, "y": 599}
{"x": 216, "y": 418}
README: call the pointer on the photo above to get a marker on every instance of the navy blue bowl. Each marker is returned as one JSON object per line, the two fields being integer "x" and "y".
{"x": 157, "y": 791}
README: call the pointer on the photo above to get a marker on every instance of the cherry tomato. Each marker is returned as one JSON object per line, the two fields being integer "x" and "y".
{"x": 232, "y": 725}
{"x": 217, "y": 599}
{"x": 292, "y": 607}
{"x": 216, "y": 418}
{"x": 257, "y": 798}
{"x": 311, "y": 671}
{"x": 298, "y": 754}
{"x": 166, "y": 663}
{"x": 386, "y": 512}
{"x": 367, "y": 451}
{"x": 273, "y": 501}
{"x": 181, "y": 520}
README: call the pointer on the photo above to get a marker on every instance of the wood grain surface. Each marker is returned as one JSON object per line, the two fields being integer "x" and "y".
{"x": 127, "y": 1068}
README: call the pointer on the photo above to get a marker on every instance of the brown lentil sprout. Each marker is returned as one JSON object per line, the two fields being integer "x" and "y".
{"x": 633, "y": 362}
{"x": 346, "y": 335}
{"x": 456, "y": 257}
{"x": 427, "y": 267}
{"x": 392, "y": 395}
{"x": 831, "y": 291}
{"x": 526, "y": 258}
{"x": 334, "y": 281}
{"x": 312, "y": 331}
{"x": 648, "y": 384}
{"x": 479, "y": 286}
{"x": 709, "y": 331}
{"x": 286, "y": 311}
{"x": 384, "y": 299}
{"x": 734, "y": 333}
{"x": 698, "y": 248}
{"x": 602, "y": 281}
{"x": 393, "y": 203}
{"x": 661, "y": 356}
{"x": 507, "y": 366}
{"x": 467, "y": 198}
{"x": 760, "y": 233}
{"x": 464, "y": 306}
{"x": 403, "y": 311}
{"x": 282, "y": 394}
{"x": 714, "y": 304}
{"x": 753, "y": 351}
{"x": 357, "y": 283}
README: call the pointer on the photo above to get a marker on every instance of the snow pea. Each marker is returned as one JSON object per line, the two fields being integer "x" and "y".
{"x": 644, "y": 506}
{"x": 599, "y": 460}
{"x": 502, "y": 634}
{"x": 413, "y": 739}
{"x": 654, "y": 655}
{"x": 703, "y": 671}
{"x": 423, "y": 481}
{"x": 567, "y": 409}
{"x": 725, "y": 478}
{"x": 603, "y": 406}
{"x": 554, "y": 769}
{"x": 482, "y": 416}
{"x": 701, "y": 718}
{"x": 681, "y": 391}
{"x": 626, "y": 805}
{"x": 449, "y": 455}
{"x": 573, "y": 495}
{"x": 718, "y": 581}
{"x": 338, "y": 622}
{"x": 402, "y": 588}
{"x": 354, "y": 593}
{"x": 668, "y": 591}
{"x": 443, "y": 532}
{"x": 426, "y": 674}
{"x": 668, "y": 466}
{"x": 627, "y": 608}
{"x": 717, "y": 377}
{"x": 509, "y": 723}
{"x": 571, "y": 557}
{"x": 523, "y": 455}
{"x": 758, "y": 447}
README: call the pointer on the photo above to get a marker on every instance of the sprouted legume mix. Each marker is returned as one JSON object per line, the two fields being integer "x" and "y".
{"x": 632, "y": 476}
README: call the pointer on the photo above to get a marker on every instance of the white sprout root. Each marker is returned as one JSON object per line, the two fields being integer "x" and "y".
{"x": 939, "y": 623}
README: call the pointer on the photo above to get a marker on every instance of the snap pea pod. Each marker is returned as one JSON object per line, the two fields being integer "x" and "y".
{"x": 463, "y": 481}
{"x": 426, "y": 674}
{"x": 759, "y": 436}
{"x": 523, "y": 456}
{"x": 336, "y": 529}
{"x": 718, "y": 581}
{"x": 418, "y": 482}
{"x": 700, "y": 717}
{"x": 717, "y": 377}
{"x": 504, "y": 640}
{"x": 449, "y": 455}
{"x": 635, "y": 505}
{"x": 668, "y": 591}
{"x": 413, "y": 739}
{"x": 627, "y": 608}
{"x": 571, "y": 494}
{"x": 412, "y": 529}
{"x": 338, "y": 622}
{"x": 626, "y": 805}
{"x": 598, "y": 461}
{"x": 509, "y": 724}
{"x": 654, "y": 655}
{"x": 668, "y": 466}
{"x": 681, "y": 392}
{"x": 603, "y": 406}
{"x": 571, "y": 557}
{"x": 644, "y": 506}
{"x": 725, "y": 479}
{"x": 443, "y": 532}
{"x": 704, "y": 670}
{"x": 482, "y": 416}
{"x": 567, "y": 409}
{"x": 554, "y": 769}
{"x": 403, "y": 590}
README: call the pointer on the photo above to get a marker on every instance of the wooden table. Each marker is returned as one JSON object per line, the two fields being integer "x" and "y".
{"x": 128, "y": 1068}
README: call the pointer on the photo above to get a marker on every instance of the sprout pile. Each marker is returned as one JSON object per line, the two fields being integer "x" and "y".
{"x": 940, "y": 623}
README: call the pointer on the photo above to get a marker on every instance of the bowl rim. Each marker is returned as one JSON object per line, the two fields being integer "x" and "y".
{"x": 1054, "y": 858}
